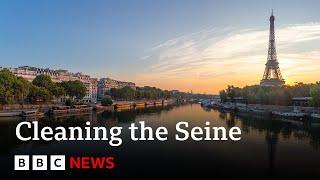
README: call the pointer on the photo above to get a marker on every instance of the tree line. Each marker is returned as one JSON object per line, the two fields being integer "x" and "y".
{"x": 273, "y": 95}
{"x": 146, "y": 92}
{"x": 15, "y": 89}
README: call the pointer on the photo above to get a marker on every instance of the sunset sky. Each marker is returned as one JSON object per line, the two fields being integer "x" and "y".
{"x": 188, "y": 45}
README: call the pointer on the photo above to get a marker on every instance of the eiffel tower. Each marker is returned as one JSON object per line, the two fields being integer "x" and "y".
{"x": 272, "y": 75}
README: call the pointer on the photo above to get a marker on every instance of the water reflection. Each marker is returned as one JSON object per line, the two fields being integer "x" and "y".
{"x": 271, "y": 140}
{"x": 287, "y": 129}
{"x": 271, "y": 128}
{"x": 129, "y": 116}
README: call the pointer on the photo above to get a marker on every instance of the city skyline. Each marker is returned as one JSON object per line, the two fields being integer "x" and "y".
{"x": 200, "y": 46}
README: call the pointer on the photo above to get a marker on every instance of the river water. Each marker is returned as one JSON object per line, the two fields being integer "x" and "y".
{"x": 268, "y": 148}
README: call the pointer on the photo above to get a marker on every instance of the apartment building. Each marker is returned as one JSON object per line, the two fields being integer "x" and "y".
{"x": 105, "y": 84}
{"x": 96, "y": 89}
{"x": 31, "y": 73}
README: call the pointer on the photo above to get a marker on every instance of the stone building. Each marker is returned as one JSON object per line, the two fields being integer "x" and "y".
{"x": 31, "y": 73}
{"x": 105, "y": 84}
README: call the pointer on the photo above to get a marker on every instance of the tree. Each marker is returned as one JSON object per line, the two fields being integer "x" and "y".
{"x": 7, "y": 80}
{"x": 273, "y": 95}
{"x": 126, "y": 93}
{"x": 74, "y": 89}
{"x": 21, "y": 88}
{"x": 299, "y": 89}
{"x": 42, "y": 81}
{"x": 106, "y": 101}
{"x": 315, "y": 95}
{"x": 56, "y": 90}
{"x": 223, "y": 96}
{"x": 12, "y": 89}
{"x": 39, "y": 94}
{"x": 45, "y": 81}
{"x": 231, "y": 92}
{"x": 152, "y": 93}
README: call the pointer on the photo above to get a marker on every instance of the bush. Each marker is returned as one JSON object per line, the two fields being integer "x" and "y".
{"x": 106, "y": 101}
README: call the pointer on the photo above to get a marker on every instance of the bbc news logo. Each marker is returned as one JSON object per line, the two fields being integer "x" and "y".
{"x": 39, "y": 162}
{"x": 58, "y": 162}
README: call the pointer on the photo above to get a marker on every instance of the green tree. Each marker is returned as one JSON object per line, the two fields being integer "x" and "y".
{"x": 45, "y": 81}
{"x": 21, "y": 88}
{"x": 275, "y": 95}
{"x": 56, "y": 90}
{"x": 315, "y": 95}
{"x": 106, "y": 101}
{"x": 42, "y": 81}
{"x": 74, "y": 89}
{"x": 39, "y": 94}
{"x": 7, "y": 80}
{"x": 126, "y": 93}
{"x": 299, "y": 89}
{"x": 12, "y": 89}
{"x": 148, "y": 92}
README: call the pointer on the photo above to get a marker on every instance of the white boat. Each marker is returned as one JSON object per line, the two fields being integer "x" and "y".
{"x": 296, "y": 113}
{"x": 316, "y": 116}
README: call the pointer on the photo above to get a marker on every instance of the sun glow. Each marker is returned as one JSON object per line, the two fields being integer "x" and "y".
{"x": 209, "y": 60}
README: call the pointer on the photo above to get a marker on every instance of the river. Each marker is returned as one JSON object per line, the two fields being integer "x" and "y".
{"x": 268, "y": 148}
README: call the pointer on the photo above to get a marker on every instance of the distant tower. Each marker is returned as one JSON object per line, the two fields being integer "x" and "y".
{"x": 272, "y": 75}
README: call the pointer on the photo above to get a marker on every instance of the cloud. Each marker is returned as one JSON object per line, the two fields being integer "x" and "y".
{"x": 145, "y": 57}
{"x": 230, "y": 52}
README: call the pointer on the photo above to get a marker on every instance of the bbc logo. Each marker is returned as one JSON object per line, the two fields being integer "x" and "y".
{"x": 39, "y": 162}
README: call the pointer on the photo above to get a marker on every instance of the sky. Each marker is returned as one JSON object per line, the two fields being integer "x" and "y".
{"x": 198, "y": 45}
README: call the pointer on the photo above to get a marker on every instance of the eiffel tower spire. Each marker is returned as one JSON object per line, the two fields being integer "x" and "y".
{"x": 272, "y": 75}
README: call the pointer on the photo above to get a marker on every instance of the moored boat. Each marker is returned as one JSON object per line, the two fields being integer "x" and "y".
{"x": 73, "y": 110}
{"x": 139, "y": 104}
{"x": 10, "y": 114}
{"x": 58, "y": 110}
{"x": 164, "y": 102}
{"x": 31, "y": 113}
{"x": 295, "y": 115}
{"x": 206, "y": 104}
{"x": 158, "y": 102}
{"x": 77, "y": 109}
{"x": 83, "y": 108}
{"x": 124, "y": 105}
{"x": 149, "y": 103}
{"x": 315, "y": 116}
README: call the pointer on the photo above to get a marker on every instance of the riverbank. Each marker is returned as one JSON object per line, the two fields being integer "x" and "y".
{"x": 60, "y": 109}
{"x": 292, "y": 112}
